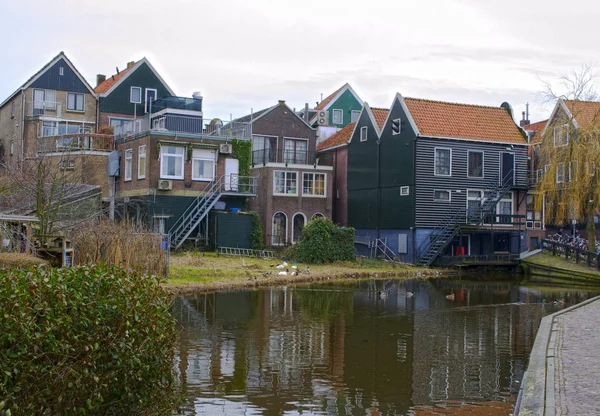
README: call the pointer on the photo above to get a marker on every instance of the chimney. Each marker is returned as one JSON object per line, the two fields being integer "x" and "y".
{"x": 282, "y": 102}
{"x": 100, "y": 79}
{"x": 525, "y": 121}
{"x": 306, "y": 112}
{"x": 130, "y": 64}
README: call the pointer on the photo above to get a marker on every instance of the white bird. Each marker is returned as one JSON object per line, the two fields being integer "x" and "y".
{"x": 294, "y": 267}
{"x": 294, "y": 273}
{"x": 284, "y": 264}
{"x": 306, "y": 271}
{"x": 450, "y": 296}
{"x": 409, "y": 294}
{"x": 281, "y": 266}
{"x": 283, "y": 273}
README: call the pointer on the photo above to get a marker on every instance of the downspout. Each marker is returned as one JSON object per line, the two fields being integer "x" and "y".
{"x": 377, "y": 206}
{"x": 414, "y": 204}
{"x": 23, "y": 102}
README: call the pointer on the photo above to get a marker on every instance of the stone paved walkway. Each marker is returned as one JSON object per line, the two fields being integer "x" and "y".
{"x": 577, "y": 361}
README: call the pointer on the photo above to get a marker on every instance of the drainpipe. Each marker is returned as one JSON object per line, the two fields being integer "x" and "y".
{"x": 378, "y": 188}
{"x": 23, "y": 102}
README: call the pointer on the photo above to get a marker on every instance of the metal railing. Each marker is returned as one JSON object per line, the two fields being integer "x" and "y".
{"x": 286, "y": 156}
{"x": 43, "y": 108}
{"x": 76, "y": 142}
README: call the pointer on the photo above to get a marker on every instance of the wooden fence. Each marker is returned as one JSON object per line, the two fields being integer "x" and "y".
{"x": 569, "y": 252}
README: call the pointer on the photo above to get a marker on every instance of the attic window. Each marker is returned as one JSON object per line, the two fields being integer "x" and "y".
{"x": 396, "y": 126}
{"x": 404, "y": 190}
{"x": 61, "y": 71}
{"x": 561, "y": 135}
{"x": 354, "y": 116}
{"x": 338, "y": 116}
{"x": 135, "y": 96}
{"x": 363, "y": 134}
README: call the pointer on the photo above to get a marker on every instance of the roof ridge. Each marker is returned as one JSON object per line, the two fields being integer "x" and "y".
{"x": 455, "y": 103}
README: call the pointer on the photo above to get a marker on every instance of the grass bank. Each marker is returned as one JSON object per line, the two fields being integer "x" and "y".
{"x": 19, "y": 260}
{"x": 194, "y": 271}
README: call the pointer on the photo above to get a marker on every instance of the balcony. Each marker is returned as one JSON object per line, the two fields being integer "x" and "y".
{"x": 76, "y": 142}
{"x": 178, "y": 103}
{"x": 284, "y": 156}
{"x": 201, "y": 126}
{"x": 43, "y": 108}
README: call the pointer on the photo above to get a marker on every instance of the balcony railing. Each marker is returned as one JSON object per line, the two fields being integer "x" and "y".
{"x": 286, "y": 156}
{"x": 43, "y": 108}
{"x": 184, "y": 124}
{"x": 76, "y": 142}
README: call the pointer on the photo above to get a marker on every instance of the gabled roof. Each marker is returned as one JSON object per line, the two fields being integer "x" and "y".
{"x": 111, "y": 83}
{"x": 251, "y": 118}
{"x": 464, "y": 121}
{"x": 380, "y": 115}
{"x": 537, "y": 129}
{"x": 338, "y": 139}
{"x": 330, "y": 99}
{"x": 586, "y": 113}
{"x": 39, "y": 73}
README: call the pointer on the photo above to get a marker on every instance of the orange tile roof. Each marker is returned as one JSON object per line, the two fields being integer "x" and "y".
{"x": 338, "y": 139}
{"x": 464, "y": 121}
{"x": 110, "y": 81}
{"x": 328, "y": 99}
{"x": 537, "y": 128}
{"x": 380, "y": 115}
{"x": 586, "y": 113}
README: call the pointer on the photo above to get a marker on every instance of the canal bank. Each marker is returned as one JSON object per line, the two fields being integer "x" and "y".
{"x": 544, "y": 268}
{"x": 564, "y": 369}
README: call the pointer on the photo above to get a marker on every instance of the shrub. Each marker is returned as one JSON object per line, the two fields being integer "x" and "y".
{"x": 19, "y": 260}
{"x": 86, "y": 340}
{"x": 324, "y": 242}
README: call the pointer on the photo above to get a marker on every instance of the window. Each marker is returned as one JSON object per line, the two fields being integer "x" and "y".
{"x": 298, "y": 223}
{"x": 313, "y": 184}
{"x": 572, "y": 174}
{"x": 475, "y": 164}
{"x": 75, "y": 102}
{"x": 363, "y": 134}
{"x": 12, "y": 110}
{"x": 591, "y": 168}
{"x": 118, "y": 122}
{"x": 474, "y": 201}
{"x": 560, "y": 173}
{"x": 43, "y": 100}
{"x": 561, "y": 135}
{"x": 404, "y": 190}
{"x": 396, "y": 126}
{"x": 128, "y": 163}
{"x": 285, "y": 183}
{"x": 534, "y": 216}
{"x": 150, "y": 98}
{"x": 443, "y": 162}
{"x": 338, "y": 116}
{"x": 476, "y": 198}
{"x": 61, "y": 71}
{"x": 203, "y": 165}
{"x": 504, "y": 209}
{"x": 142, "y": 162}
{"x": 171, "y": 162}
{"x": 354, "y": 115}
{"x": 443, "y": 196}
{"x": 295, "y": 151}
{"x": 160, "y": 224}
{"x": 49, "y": 128}
{"x": 279, "y": 232}
{"x": 264, "y": 149}
{"x": 135, "y": 95}
{"x": 12, "y": 147}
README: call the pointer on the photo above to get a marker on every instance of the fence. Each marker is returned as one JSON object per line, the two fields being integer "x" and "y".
{"x": 569, "y": 252}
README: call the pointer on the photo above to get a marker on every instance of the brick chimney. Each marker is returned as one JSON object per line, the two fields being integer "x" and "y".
{"x": 281, "y": 102}
{"x": 100, "y": 78}
{"x": 525, "y": 121}
{"x": 130, "y": 64}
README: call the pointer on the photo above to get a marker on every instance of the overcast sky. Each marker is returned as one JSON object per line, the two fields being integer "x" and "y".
{"x": 244, "y": 54}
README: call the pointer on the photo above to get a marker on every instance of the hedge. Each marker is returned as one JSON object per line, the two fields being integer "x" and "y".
{"x": 324, "y": 242}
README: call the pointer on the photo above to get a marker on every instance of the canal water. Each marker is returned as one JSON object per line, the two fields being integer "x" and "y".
{"x": 418, "y": 347}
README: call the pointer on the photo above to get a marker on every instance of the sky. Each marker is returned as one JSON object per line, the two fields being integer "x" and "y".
{"x": 247, "y": 54}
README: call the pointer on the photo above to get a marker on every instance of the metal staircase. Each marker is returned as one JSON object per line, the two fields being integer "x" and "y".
{"x": 195, "y": 213}
{"x": 455, "y": 219}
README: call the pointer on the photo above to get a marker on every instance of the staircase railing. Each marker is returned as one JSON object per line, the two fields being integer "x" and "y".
{"x": 195, "y": 213}
{"x": 380, "y": 245}
{"x": 455, "y": 219}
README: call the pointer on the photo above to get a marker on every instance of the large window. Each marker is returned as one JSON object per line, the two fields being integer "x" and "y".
{"x": 503, "y": 211}
{"x": 295, "y": 151}
{"x": 279, "y": 231}
{"x": 475, "y": 164}
{"x": 142, "y": 162}
{"x": 264, "y": 149}
{"x": 285, "y": 183}
{"x": 298, "y": 223}
{"x": 560, "y": 173}
{"x": 203, "y": 165}
{"x": 443, "y": 162}
{"x": 171, "y": 162}
{"x": 75, "y": 102}
{"x": 313, "y": 184}
{"x": 135, "y": 95}
{"x": 128, "y": 163}
{"x": 561, "y": 135}
{"x": 534, "y": 214}
{"x": 338, "y": 116}
{"x": 43, "y": 100}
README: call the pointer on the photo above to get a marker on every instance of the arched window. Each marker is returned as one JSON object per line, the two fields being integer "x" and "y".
{"x": 318, "y": 215}
{"x": 279, "y": 232}
{"x": 298, "y": 222}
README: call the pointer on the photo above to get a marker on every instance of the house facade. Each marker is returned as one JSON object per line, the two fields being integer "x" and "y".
{"x": 438, "y": 180}
{"x": 293, "y": 185}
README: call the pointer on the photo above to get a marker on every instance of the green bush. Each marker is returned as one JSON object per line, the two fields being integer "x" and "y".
{"x": 86, "y": 340}
{"x": 324, "y": 242}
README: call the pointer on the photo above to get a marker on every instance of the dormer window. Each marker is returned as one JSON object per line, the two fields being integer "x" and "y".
{"x": 338, "y": 116}
{"x": 561, "y": 135}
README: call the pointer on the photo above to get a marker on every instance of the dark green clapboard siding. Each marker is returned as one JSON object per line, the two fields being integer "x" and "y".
{"x": 362, "y": 208}
{"x": 347, "y": 102}
{"x": 118, "y": 100}
{"x": 428, "y": 211}
{"x": 362, "y": 157}
{"x": 232, "y": 230}
{"x": 173, "y": 206}
{"x": 396, "y": 211}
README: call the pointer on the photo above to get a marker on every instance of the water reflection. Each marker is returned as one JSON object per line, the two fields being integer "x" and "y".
{"x": 376, "y": 347}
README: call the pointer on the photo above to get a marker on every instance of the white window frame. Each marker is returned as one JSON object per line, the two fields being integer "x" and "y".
{"x": 560, "y": 138}
{"x": 12, "y": 109}
{"x": 146, "y": 97}
{"x": 202, "y": 179}
{"x": 512, "y": 209}
{"x": 280, "y": 243}
{"x": 482, "y": 163}
{"x": 365, "y": 130}
{"x": 590, "y": 168}
{"x": 340, "y": 112}
{"x": 399, "y": 120}
{"x": 572, "y": 173}
{"x": 435, "y": 159}
{"x": 142, "y": 161}
{"x": 128, "y": 168}
{"x": 61, "y": 70}
{"x": 559, "y": 167}
{"x": 352, "y": 114}
{"x": 310, "y": 195}
{"x": 131, "y": 95}
{"x": 404, "y": 190}
{"x": 294, "y": 238}
{"x": 75, "y": 110}
{"x": 45, "y": 103}
{"x": 442, "y": 200}
{"x": 285, "y": 179}
{"x": 168, "y": 155}
{"x": 286, "y": 158}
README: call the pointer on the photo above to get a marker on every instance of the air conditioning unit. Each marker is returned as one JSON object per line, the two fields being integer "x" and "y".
{"x": 165, "y": 185}
{"x": 323, "y": 118}
{"x": 226, "y": 148}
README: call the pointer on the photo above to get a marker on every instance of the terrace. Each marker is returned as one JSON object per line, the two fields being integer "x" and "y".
{"x": 76, "y": 142}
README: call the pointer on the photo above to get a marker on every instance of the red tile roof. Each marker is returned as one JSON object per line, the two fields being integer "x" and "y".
{"x": 329, "y": 98}
{"x": 464, "y": 121}
{"x": 110, "y": 81}
{"x": 380, "y": 115}
{"x": 338, "y": 139}
{"x": 537, "y": 128}
{"x": 586, "y": 113}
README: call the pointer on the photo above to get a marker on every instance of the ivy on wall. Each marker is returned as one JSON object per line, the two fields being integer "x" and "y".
{"x": 242, "y": 150}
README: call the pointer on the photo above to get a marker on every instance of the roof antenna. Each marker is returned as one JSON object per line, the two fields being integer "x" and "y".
{"x": 527, "y": 111}
{"x": 117, "y": 70}
{"x": 321, "y": 96}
